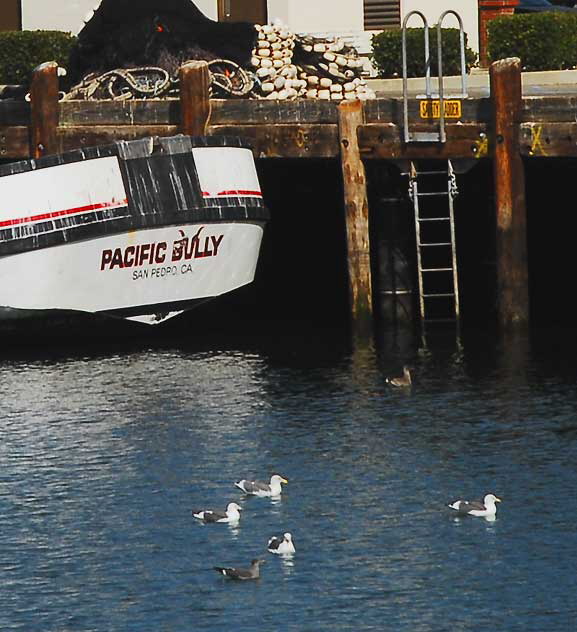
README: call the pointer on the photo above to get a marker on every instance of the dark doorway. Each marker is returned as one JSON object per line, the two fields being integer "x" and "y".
{"x": 253, "y": 11}
{"x": 11, "y": 16}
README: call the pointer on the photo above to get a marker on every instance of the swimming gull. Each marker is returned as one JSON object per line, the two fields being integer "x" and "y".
{"x": 241, "y": 573}
{"x": 281, "y": 546}
{"x": 231, "y": 514}
{"x": 260, "y": 488}
{"x": 404, "y": 380}
{"x": 483, "y": 508}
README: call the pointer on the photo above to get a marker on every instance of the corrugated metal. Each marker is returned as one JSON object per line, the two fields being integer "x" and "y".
{"x": 380, "y": 14}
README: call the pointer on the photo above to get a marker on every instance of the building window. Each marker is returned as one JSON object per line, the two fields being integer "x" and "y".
{"x": 382, "y": 14}
{"x": 10, "y": 16}
{"x": 254, "y": 11}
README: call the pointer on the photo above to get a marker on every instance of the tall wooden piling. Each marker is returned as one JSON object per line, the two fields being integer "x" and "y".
{"x": 194, "y": 78}
{"x": 350, "y": 117}
{"x": 44, "y": 110}
{"x": 509, "y": 175}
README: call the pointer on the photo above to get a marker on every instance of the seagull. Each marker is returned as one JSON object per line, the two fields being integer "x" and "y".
{"x": 485, "y": 508}
{"x": 281, "y": 546}
{"x": 259, "y": 488}
{"x": 241, "y": 573}
{"x": 232, "y": 514}
{"x": 404, "y": 380}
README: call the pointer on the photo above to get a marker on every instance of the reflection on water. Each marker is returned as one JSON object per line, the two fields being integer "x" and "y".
{"x": 104, "y": 456}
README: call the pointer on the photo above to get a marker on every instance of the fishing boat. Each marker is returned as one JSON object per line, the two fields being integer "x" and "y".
{"x": 138, "y": 230}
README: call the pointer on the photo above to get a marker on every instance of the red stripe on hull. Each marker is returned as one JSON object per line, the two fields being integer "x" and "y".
{"x": 233, "y": 192}
{"x": 63, "y": 213}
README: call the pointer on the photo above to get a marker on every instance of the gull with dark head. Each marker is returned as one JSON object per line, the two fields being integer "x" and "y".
{"x": 253, "y": 572}
{"x": 403, "y": 380}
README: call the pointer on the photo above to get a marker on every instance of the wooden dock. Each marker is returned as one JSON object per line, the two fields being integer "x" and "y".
{"x": 505, "y": 127}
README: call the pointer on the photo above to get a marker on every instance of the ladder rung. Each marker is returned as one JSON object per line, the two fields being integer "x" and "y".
{"x": 433, "y": 219}
{"x": 438, "y": 295}
{"x": 426, "y": 173}
{"x": 440, "y": 320}
{"x": 436, "y": 269}
{"x": 433, "y": 194}
{"x": 442, "y": 243}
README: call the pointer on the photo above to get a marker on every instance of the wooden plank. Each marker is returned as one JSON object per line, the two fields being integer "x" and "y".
{"x": 267, "y": 112}
{"x": 44, "y": 110}
{"x": 14, "y": 143}
{"x": 356, "y": 217}
{"x": 548, "y": 140}
{"x": 194, "y": 79}
{"x": 391, "y": 111}
{"x": 509, "y": 177}
{"x": 223, "y": 112}
{"x": 77, "y": 137}
{"x": 561, "y": 108}
{"x": 386, "y": 142}
{"x": 133, "y": 112}
{"x": 286, "y": 141}
{"x": 14, "y": 113}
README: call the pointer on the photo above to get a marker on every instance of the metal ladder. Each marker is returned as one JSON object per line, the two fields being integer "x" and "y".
{"x": 439, "y": 135}
{"x": 436, "y": 247}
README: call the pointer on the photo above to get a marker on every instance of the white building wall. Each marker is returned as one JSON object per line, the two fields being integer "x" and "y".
{"x": 432, "y": 10}
{"x": 301, "y": 16}
{"x": 313, "y": 16}
{"x": 56, "y": 15}
{"x": 69, "y": 15}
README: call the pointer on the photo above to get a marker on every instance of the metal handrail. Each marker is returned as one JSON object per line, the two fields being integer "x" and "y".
{"x": 442, "y": 133}
{"x": 405, "y": 78}
{"x": 428, "y": 92}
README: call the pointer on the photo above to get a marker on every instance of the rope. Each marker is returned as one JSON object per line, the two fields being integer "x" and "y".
{"x": 150, "y": 82}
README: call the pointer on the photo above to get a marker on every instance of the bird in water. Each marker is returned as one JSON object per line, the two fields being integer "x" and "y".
{"x": 403, "y": 380}
{"x": 281, "y": 546}
{"x": 231, "y": 514}
{"x": 253, "y": 572}
{"x": 485, "y": 508}
{"x": 260, "y": 488}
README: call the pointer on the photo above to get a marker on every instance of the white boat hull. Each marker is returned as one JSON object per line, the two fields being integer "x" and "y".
{"x": 137, "y": 274}
{"x": 135, "y": 235}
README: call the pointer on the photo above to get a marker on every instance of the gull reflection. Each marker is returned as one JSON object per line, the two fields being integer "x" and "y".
{"x": 234, "y": 530}
{"x": 287, "y": 563}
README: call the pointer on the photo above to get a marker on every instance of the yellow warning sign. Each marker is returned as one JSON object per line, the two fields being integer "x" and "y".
{"x": 431, "y": 108}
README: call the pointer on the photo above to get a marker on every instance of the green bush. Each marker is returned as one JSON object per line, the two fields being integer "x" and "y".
{"x": 387, "y": 52}
{"x": 543, "y": 41}
{"x": 22, "y": 51}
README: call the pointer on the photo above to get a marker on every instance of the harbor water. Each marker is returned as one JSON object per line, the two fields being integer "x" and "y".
{"x": 105, "y": 452}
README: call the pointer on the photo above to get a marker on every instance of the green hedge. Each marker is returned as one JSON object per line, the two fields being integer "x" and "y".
{"x": 388, "y": 60}
{"x": 22, "y": 51}
{"x": 543, "y": 41}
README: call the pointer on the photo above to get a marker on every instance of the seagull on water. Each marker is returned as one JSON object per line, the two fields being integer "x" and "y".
{"x": 485, "y": 508}
{"x": 241, "y": 573}
{"x": 231, "y": 514}
{"x": 260, "y": 488}
{"x": 281, "y": 546}
{"x": 404, "y": 380}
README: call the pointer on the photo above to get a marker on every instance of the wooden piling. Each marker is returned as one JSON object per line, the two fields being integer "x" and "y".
{"x": 194, "y": 78}
{"x": 44, "y": 110}
{"x": 509, "y": 175}
{"x": 350, "y": 117}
